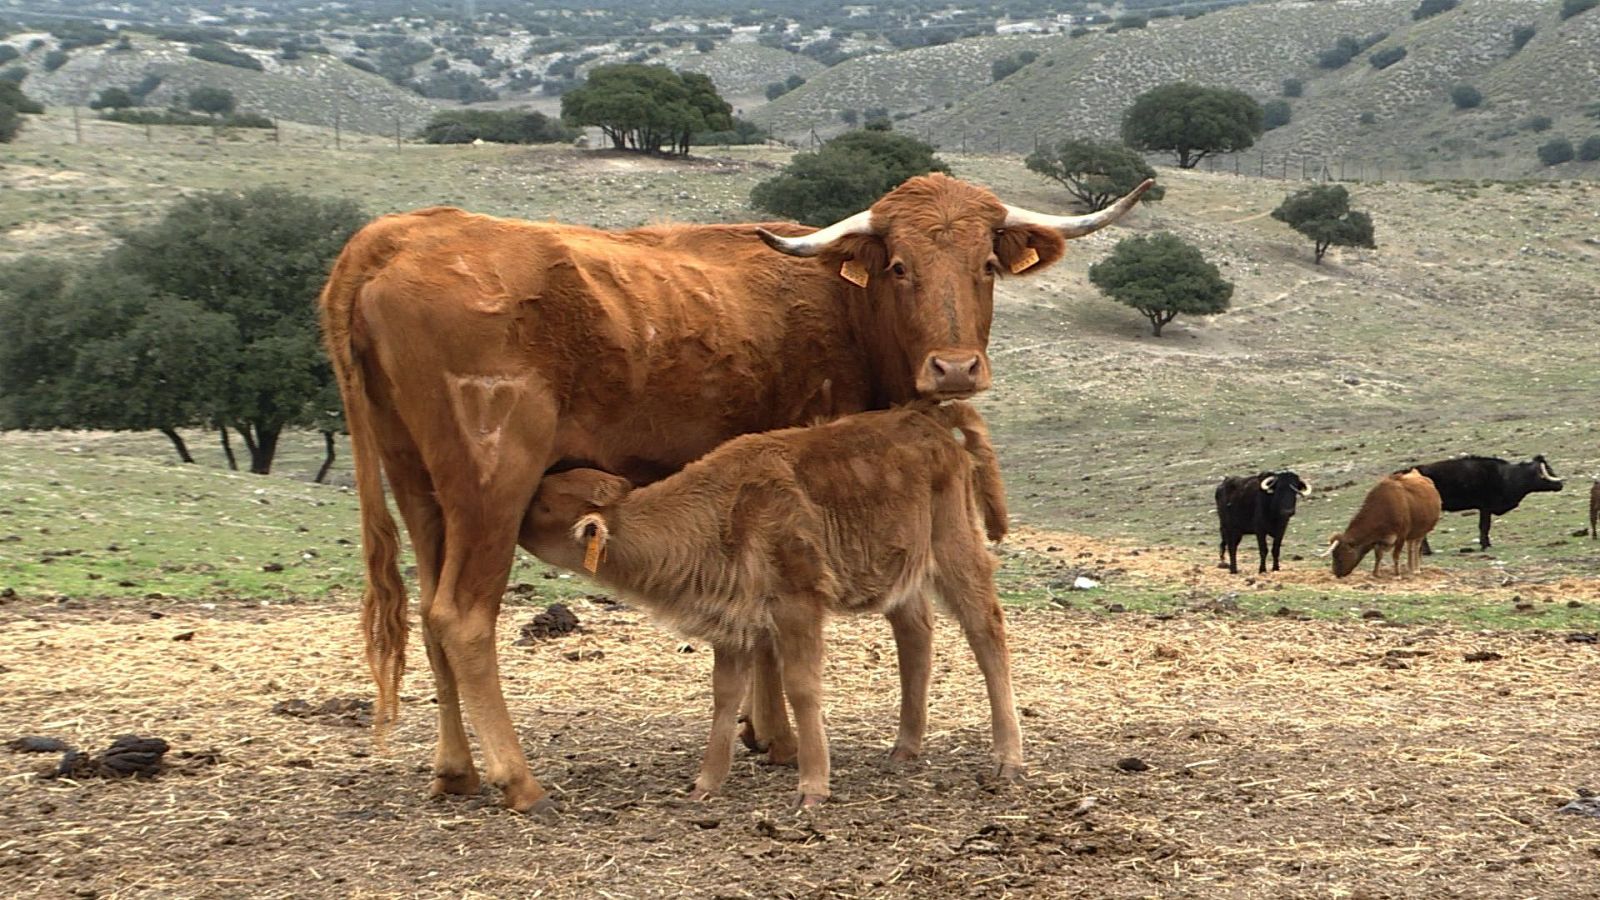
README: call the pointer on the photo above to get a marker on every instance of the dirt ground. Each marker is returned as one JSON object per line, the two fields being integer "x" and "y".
{"x": 1285, "y": 759}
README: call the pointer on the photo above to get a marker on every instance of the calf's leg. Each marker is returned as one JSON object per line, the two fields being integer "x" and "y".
{"x": 730, "y": 674}
{"x": 798, "y": 620}
{"x": 766, "y": 725}
{"x": 912, "y": 622}
{"x": 966, "y": 584}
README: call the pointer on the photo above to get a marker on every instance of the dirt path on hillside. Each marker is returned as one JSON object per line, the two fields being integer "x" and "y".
{"x": 1285, "y": 759}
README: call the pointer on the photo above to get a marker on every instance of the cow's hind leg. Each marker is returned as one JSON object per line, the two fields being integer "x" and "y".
{"x": 912, "y": 622}
{"x": 965, "y": 582}
{"x": 730, "y": 675}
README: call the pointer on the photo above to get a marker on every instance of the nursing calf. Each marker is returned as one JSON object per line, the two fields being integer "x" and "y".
{"x": 1397, "y": 513}
{"x": 753, "y": 546}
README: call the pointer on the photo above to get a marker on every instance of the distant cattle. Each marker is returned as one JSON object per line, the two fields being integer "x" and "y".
{"x": 757, "y": 543}
{"x": 1397, "y": 514}
{"x": 1594, "y": 508}
{"x": 1487, "y": 484}
{"x": 474, "y": 353}
{"x": 1260, "y": 505}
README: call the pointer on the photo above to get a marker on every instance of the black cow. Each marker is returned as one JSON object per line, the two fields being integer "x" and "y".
{"x": 1487, "y": 484}
{"x": 1260, "y": 505}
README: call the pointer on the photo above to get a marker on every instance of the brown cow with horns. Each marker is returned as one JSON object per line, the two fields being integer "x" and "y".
{"x": 474, "y": 354}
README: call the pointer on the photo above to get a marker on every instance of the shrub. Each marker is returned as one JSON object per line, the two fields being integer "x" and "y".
{"x": 1368, "y": 118}
{"x": 1387, "y": 57}
{"x": 849, "y": 117}
{"x": 463, "y": 87}
{"x": 1078, "y": 32}
{"x": 1537, "y": 124}
{"x": 1275, "y": 114}
{"x": 10, "y": 123}
{"x": 776, "y": 89}
{"x": 213, "y": 100}
{"x": 743, "y": 131}
{"x": 1521, "y": 36}
{"x": 1589, "y": 150}
{"x": 8, "y": 53}
{"x": 1096, "y": 173}
{"x": 1006, "y": 66}
{"x": 1465, "y": 96}
{"x": 1430, "y": 8}
{"x": 1293, "y": 87}
{"x": 1132, "y": 20}
{"x": 54, "y": 60}
{"x": 143, "y": 88}
{"x": 15, "y": 74}
{"x": 112, "y": 98}
{"x": 1570, "y": 8}
{"x": 1339, "y": 55}
{"x": 225, "y": 55}
{"x": 11, "y": 95}
{"x": 359, "y": 63}
{"x": 1556, "y": 152}
{"x": 511, "y": 126}
{"x": 844, "y": 176}
{"x": 704, "y": 45}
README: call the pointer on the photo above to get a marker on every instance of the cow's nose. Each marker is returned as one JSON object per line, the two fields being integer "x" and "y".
{"x": 954, "y": 373}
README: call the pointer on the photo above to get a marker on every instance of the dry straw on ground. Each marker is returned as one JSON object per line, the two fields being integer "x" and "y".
{"x": 1286, "y": 759}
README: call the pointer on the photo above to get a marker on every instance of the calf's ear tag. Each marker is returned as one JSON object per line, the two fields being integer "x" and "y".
{"x": 856, "y": 273}
{"x": 593, "y": 554}
{"x": 1025, "y": 261}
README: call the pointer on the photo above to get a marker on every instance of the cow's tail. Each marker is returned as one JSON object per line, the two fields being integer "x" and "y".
{"x": 384, "y": 612}
{"x": 986, "y": 470}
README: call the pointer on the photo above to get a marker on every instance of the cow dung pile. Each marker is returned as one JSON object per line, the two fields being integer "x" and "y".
{"x": 128, "y": 756}
{"x": 556, "y": 621}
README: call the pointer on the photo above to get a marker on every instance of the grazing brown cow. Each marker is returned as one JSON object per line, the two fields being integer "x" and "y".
{"x": 771, "y": 533}
{"x": 475, "y": 353}
{"x": 1397, "y": 513}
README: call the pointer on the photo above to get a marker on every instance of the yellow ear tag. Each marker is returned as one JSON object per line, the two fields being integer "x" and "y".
{"x": 593, "y": 554}
{"x": 1026, "y": 261}
{"x": 856, "y": 273}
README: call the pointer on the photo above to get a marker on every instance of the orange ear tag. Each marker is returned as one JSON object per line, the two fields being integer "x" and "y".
{"x": 593, "y": 554}
{"x": 1026, "y": 261}
{"x": 856, "y": 273}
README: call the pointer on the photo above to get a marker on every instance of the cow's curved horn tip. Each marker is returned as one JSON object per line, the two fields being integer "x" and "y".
{"x": 770, "y": 239}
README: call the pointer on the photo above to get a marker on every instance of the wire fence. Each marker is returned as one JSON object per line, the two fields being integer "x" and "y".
{"x": 79, "y": 126}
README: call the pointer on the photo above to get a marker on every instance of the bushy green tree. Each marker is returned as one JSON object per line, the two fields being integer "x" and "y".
{"x": 1339, "y": 55}
{"x": 112, "y": 98}
{"x": 1323, "y": 214}
{"x": 1465, "y": 96}
{"x": 1293, "y": 87}
{"x": 1162, "y": 277}
{"x": 647, "y": 108}
{"x": 1430, "y": 8}
{"x": 1589, "y": 150}
{"x": 1570, "y": 8}
{"x": 54, "y": 60}
{"x": 1095, "y": 172}
{"x": 1275, "y": 114}
{"x": 213, "y": 101}
{"x": 1387, "y": 57}
{"x": 507, "y": 126}
{"x": 1521, "y": 35}
{"x": 844, "y": 176}
{"x": 1555, "y": 152}
{"x": 1192, "y": 121}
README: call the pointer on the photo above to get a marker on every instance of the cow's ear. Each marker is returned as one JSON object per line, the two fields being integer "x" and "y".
{"x": 1025, "y": 249}
{"x": 858, "y": 258}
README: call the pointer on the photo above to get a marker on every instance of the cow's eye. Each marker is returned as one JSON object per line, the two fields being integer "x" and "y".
{"x": 898, "y": 268}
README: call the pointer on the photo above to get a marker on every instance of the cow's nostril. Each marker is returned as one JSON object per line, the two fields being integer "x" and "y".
{"x": 939, "y": 368}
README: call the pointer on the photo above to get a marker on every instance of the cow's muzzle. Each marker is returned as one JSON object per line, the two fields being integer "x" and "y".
{"x": 953, "y": 373}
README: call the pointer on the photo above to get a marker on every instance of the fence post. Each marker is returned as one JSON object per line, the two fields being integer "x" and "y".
{"x": 337, "y": 144}
{"x": 1236, "y": 164}
{"x": 148, "y": 137}
{"x": 1262, "y": 171}
{"x": 276, "y": 137}
{"x": 77, "y": 129}
{"x": 1341, "y": 168}
{"x": 397, "y": 132}
{"x": 1284, "y": 175}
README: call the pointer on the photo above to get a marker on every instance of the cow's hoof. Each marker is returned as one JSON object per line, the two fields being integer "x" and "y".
{"x": 698, "y": 795}
{"x": 465, "y": 784}
{"x": 809, "y": 801}
{"x": 747, "y": 736}
{"x": 1010, "y": 773}
{"x": 543, "y": 810}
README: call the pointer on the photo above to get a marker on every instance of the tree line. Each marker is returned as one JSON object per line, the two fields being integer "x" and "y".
{"x": 203, "y": 319}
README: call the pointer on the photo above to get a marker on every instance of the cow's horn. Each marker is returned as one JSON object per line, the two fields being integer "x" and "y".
{"x": 1077, "y": 226}
{"x": 813, "y": 243}
{"x": 1268, "y": 482}
{"x": 1328, "y": 549}
{"x": 1305, "y": 488}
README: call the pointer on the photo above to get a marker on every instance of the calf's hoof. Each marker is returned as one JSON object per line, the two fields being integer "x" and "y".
{"x": 747, "y": 736}
{"x": 698, "y": 794}
{"x": 463, "y": 784}
{"x": 1011, "y": 773}
{"x": 808, "y": 801}
{"x": 903, "y": 755}
{"x": 782, "y": 753}
{"x": 543, "y": 810}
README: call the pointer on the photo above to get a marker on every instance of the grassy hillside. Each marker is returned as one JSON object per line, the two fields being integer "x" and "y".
{"x": 311, "y": 89}
{"x": 1080, "y": 86}
{"x": 1470, "y": 329}
{"x": 909, "y": 81}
